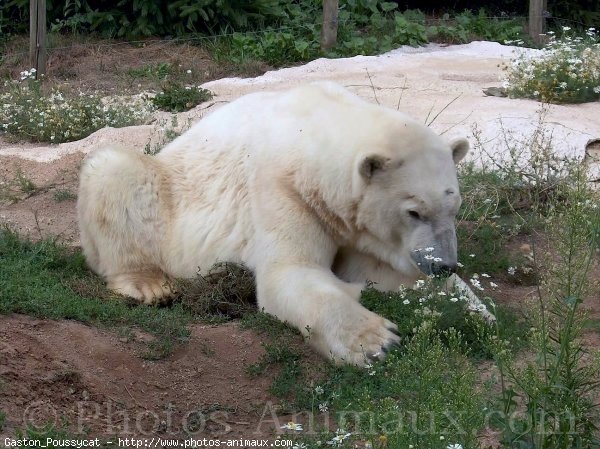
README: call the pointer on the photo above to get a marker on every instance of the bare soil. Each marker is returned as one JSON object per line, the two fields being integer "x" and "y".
{"x": 50, "y": 370}
{"x": 39, "y": 213}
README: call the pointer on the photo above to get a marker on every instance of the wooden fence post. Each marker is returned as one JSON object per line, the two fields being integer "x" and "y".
{"x": 330, "y": 24}
{"x": 537, "y": 19}
{"x": 37, "y": 36}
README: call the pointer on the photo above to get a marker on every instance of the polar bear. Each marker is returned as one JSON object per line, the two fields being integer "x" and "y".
{"x": 314, "y": 189}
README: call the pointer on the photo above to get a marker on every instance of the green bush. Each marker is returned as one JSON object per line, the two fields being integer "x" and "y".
{"x": 113, "y": 18}
{"x": 178, "y": 98}
{"x": 28, "y": 112}
{"x": 467, "y": 26}
{"x": 567, "y": 70}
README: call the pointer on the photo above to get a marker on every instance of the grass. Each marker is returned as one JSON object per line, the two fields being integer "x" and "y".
{"x": 48, "y": 280}
{"x": 63, "y": 195}
{"x": 157, "y": 72}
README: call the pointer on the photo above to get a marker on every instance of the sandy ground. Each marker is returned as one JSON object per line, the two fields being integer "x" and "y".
{"x": 97, "y": 380}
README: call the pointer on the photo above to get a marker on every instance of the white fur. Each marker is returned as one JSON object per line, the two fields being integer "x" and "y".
{"x": 280, "y": 182}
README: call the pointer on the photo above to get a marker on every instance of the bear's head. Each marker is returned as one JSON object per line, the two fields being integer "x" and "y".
{"x": 409, "y": 201}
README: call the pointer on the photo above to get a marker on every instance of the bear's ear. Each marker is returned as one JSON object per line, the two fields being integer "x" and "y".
{"x": 460, "y": 148}
{"x": 371, "y": 164}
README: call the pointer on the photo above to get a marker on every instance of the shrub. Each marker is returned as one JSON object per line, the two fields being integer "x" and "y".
{"x": 467, "y": 26}
{"x": 178, "y": 98}
{"x": 566, "y": 70}
{"x": 28, "y": 112}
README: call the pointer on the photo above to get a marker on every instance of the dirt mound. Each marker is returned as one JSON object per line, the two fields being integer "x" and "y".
{"x": 99, "y": 383}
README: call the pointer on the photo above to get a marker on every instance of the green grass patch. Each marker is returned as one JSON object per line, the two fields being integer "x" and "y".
{"x": 48, "y": 436}
{"x": 284, "y": 358}
{"x": 63, "y": 195}
{"x": 156, "y": 72}
{"x": 48, "y": 280}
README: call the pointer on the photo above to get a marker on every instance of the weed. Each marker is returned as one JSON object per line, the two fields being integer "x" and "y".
{"x": 2, "y": 420}
{"x": 155, "y": 71}
{"x": 547, "y": 402}
{"x": 178, "y": 98}
{"x": 25, "y": 184}
{"x": 558, "y": 390}
{"x": 28, "y": 112}
{"x": 166, "y": 134}
{"x": 15, "y": 189}
{"x": 206, "y": 349}
{"x": 566, "y": 71}
{"x": 64, "y": 195}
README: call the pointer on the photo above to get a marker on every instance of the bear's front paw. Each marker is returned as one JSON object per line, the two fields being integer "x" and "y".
{"x": 361, "y": 336}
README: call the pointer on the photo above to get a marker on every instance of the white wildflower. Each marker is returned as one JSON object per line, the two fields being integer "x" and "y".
{"x": 339, "y": 438}
{"x": 292, "y": 426}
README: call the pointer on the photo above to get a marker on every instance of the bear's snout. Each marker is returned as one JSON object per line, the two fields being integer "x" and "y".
{"x": 443, "y": 269}
{"x": 430, "y": 264}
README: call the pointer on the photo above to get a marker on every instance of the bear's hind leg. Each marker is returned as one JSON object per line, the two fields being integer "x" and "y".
{"x": 124, "y": 213}
{"x": 148, "y": 287}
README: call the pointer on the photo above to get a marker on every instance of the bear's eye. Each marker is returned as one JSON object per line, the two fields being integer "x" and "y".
{"x": 414, "y": 214}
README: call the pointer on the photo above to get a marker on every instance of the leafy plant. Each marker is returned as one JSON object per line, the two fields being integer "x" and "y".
{"x": 178, "y": 98}
{"x": 467, "y": 26}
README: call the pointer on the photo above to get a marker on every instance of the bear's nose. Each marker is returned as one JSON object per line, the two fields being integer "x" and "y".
{"x": 443, "y": 270}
